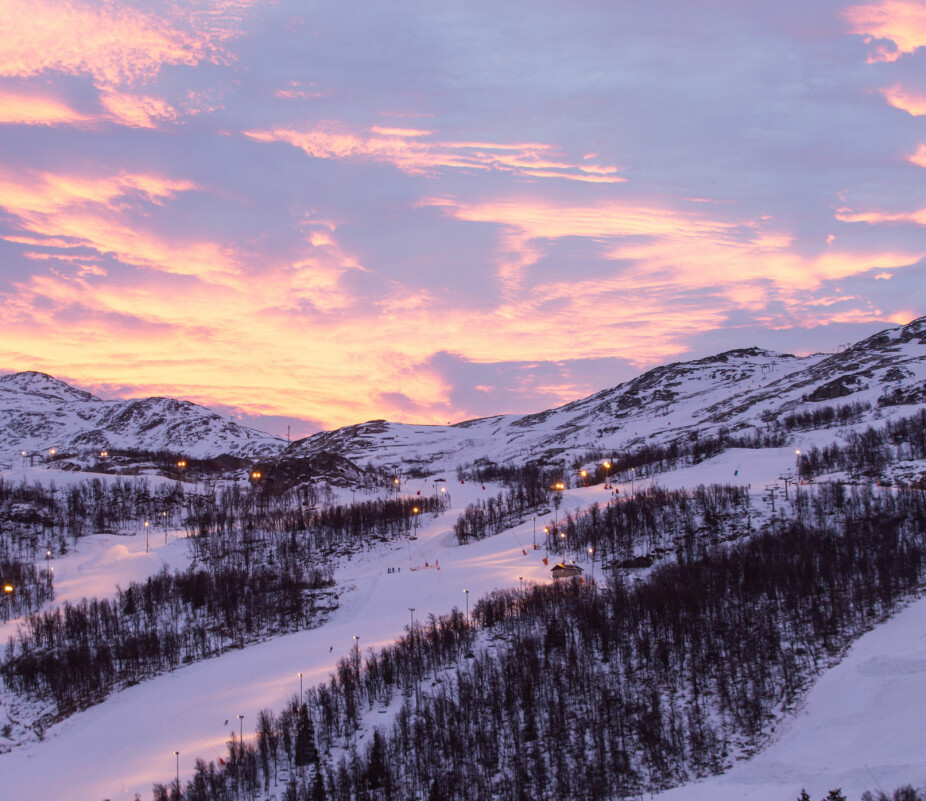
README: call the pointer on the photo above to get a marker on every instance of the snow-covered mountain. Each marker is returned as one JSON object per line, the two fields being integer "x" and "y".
{"x": 738, "y": 390}
{"x": 39, "y": 412}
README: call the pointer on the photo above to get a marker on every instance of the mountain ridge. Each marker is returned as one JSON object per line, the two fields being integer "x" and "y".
{"x": 737, "y": 389}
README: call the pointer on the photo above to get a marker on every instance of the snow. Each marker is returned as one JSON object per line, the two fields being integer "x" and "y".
{"x": 861, "y": 723}
{"x": 868, "y": 710}
{"x": 861, "y": 726}
{"x": 126, "y": 743}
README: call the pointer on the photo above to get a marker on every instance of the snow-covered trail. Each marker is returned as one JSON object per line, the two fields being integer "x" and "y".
{"x": 123, "y": 745}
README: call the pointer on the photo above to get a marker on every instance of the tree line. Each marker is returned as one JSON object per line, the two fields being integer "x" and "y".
{"x": 260, "y": 566}
{"x": 869, "y": 452}
{"x": 581, "y": 691}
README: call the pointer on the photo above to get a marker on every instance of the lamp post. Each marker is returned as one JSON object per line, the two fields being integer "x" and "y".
{"x": 177, "y": 755}
{"x": 48, "y": 561}
{"x": 466, "y": 592}
{"x": 521, "y": 582}
{"x": 300, "y": 689}
{"x": 562, "y": 535}
{"x": 146, "y": 536}
{"x": 633, "y": 471}
{"x": 8, "y": 592}
{"x": 415, "y": 512}
{"x": 411, "y": 622}
{"x": 607, "y": 474}
{"x": 591, "y": 553}
{"x": 241, "y": 731}
{"x": 534, "y": 521}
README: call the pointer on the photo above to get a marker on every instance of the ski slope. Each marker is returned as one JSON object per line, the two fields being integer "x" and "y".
{"x": 868, "y": 710}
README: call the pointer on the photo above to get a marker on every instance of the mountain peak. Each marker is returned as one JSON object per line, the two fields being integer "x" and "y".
{"x": 34, "y": 382}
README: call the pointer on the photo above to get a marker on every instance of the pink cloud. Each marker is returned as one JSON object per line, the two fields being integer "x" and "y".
{"x": 22, "y": 106}
{"x": 119, "y": 47}
{"x": 410, "y": 151}
{"x": 912, "y": 103}
{"x": 902, "y": 23}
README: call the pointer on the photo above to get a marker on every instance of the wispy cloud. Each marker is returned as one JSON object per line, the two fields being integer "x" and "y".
{"x": 411, "y": 151}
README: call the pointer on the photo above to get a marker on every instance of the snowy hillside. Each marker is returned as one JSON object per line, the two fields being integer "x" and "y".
{"x": 39, "y": 412}
{"x": 740, "y": 390}
{"x": 408, "y": 564}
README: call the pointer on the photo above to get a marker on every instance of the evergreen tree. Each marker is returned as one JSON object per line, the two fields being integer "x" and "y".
{"x": 306, "y": 750}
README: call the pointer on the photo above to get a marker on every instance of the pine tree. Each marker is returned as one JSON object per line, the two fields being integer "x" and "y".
{"x": 306, "y": 751}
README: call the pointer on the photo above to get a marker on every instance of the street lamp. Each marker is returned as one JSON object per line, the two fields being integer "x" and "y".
{"x": 241, "y": 731}
{"x": 591, "y": 553}
{"x": 8, "y": 591}
{"x": 177, "y": 754}
{"x": 300, "y": 689}
{"x": 521, "y": 582}
{"x": 466, "y": 592}
{"x": 255, "y": 475}
{"x": 607, "y": 474}
{"x": 415, "y": 511}
{"x": 146, "y": 536}
{"x": 562, "y": 535}
{"x": 411, "y": 616}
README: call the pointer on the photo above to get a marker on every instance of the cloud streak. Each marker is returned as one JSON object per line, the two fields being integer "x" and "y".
{"x": 411, "y": 151}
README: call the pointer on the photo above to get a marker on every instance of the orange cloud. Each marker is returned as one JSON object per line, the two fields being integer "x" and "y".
{"x": 100, "y": 212}
{"x": 900, "y": 22}
{"x": 22, "y": 107}
{"x": 919, "y": 158}
{"x": 914, "y": 104}
{"x": 408, "y": 150}
{"x": 113, "y": 43}
{"x": 137, "y": 111}
{"x": 119, "y": 47}
{"x": 880, "y": 217}
{"x": 671, "y": 252}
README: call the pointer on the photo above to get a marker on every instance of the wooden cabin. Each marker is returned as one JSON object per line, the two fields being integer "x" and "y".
{"x": 562, "y": 571}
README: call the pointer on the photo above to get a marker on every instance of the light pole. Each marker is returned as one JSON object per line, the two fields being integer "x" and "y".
{"x": 466, "y": 593}
{"x": 521, "y": 582}
{"x": 300, "y": 689}
{"x": 48, "y": 561}
{"x": 607, "y": 474}
{"x": 411, "y": 623}
{"x": 415, "y": 512}
{"x": 562, "y": 535}
{"x": 534, "y": 521}
{"x": 8, "y": 591}
{"x": 591, "y": 553}
{"x": 633, "y": 471}
{"x": 241, "y": 731}
{"x": 177, "y": 754}
{"x": 146, "y": 536}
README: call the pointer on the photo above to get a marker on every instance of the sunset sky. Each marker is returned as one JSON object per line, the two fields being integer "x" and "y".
{"x": 318, "y": 213}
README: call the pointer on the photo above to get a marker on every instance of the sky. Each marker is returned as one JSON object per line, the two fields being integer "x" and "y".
{"x": 312, "y": 214}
